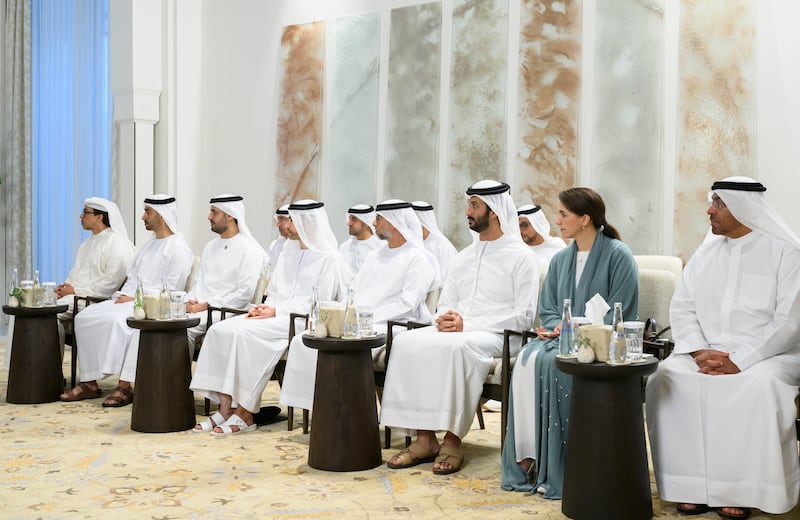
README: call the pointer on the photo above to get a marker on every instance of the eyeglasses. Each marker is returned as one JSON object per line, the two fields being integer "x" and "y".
{"x": 717, "y": 203}
{"x": 88, "y": 212}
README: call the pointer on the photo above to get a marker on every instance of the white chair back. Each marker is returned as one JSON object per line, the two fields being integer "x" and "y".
{"x": 658, "y": 277}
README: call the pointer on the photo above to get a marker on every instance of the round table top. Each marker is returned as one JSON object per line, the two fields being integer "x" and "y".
{"x": 602, "y": 370}
{"x": 170, "y": 324}
{"x": 344, "y": 344}
{"x": 34, "y": 311}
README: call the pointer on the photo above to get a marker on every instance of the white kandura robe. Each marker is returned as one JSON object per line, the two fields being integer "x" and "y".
{"x": 354, "y": 251}
{"x": 274, "y": 252}
{"x": 443, "y": 250}
{"x": 544, "y": 252}
{"x": 393, "y": 282}
{"x": 729, "y": 440}
{"x": 229, "y": 271}
{"x": 239, "y": 354}
{"x": 102, "y": 334}
{"x": 434, "y": 379}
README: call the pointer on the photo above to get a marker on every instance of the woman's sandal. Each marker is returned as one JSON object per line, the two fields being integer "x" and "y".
{"x": 122, "y": 396}
{"x": 209, "y": 424}
{"x": 84, "y": 392}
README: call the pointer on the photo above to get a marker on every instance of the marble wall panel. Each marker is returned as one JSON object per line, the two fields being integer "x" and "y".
{"x": 716, "y": 106}
{"x": 549, "y": 90}
{"x": 412, "y": 112}
{"x": 353, "y": 115}
{"x": 300, "y": 112}
{"x": 476, "y": 140}
{"x": 627, "y": 118}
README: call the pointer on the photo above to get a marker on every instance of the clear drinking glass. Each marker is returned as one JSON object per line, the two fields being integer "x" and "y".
{"x": 365, "y": 321}
{"x": 634, "y": 339}
{"x": 177, "y": 304}
{"x": 49, "y": 295}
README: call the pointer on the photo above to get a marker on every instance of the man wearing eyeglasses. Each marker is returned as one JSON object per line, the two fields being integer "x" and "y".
{"x": 102, "y": 261}
{"x": 721, "y": 409}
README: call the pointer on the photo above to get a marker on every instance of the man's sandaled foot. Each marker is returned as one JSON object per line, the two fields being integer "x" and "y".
{"x": 449, "y": 460}
{"x": 734, "y": 513}
{"x": 689, "y": 509}
{"x": 82, "y": 390}
{"x": 209, "y": 424}
{"x": 122, "y": 396}
{"x": 234, "y": 421}
{"x": 414, "y": 455}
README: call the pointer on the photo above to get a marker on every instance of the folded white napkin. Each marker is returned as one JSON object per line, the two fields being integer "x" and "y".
{"x": 596, "y": 309}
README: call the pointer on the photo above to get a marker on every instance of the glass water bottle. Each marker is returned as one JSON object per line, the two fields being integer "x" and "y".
{"x": 566, "y": 341}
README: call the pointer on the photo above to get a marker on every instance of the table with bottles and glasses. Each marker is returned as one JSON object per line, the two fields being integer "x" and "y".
{"x": 606, "y": 474}
{"x": 344, "y": 429}
{"x": 162, "y": 399}
{"x": 34, "y": 373}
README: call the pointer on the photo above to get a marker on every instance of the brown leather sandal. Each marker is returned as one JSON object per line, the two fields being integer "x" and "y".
{"x": 84, "y": 391}
{"x": 414, "y": 455}
{"x": 122, "y": 396}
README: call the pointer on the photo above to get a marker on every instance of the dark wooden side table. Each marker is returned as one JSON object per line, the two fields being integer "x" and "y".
{"x": 34, "y": 374}
{"x": 606, "y": 474}
{"x": 344, "y": 433}
{"x": 162, "y": 400}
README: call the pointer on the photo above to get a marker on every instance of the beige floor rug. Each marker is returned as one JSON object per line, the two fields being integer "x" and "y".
{"x": 79, "y": 460}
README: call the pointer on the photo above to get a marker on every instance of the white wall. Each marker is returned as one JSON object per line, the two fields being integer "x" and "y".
{"x": 223, "y": 126}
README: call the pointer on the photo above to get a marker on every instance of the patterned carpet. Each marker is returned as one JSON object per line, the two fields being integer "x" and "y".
{"x": 78, "y": 460}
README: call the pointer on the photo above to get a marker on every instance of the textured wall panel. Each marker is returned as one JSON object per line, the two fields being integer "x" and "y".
{"x": 715, "y": 107}
{"x": 412, "y": 114}
{"x": 353, "y": 133}
{"x": 300, "y": 112}
{"x": 476, "y": 144}
{"x": 627, "y": 118}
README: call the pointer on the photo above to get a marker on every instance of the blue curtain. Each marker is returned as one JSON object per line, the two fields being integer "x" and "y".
{"x": 71, "y": 125}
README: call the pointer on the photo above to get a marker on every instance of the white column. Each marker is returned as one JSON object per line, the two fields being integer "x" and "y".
{"x": 135, "y": 56}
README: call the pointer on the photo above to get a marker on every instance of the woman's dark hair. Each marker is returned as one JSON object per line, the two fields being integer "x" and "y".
{"x": 586, "y": 201}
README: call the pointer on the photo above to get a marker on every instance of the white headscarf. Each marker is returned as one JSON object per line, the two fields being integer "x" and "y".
{"x": 311, "y": 222}
{"x": 745, "y": 200}
{"x": 426, "y": 216}
{"x": 165, "y": 206}
{"x": 402, "y": 216}
{"x": 232, "y": 205}
{"x": 363, "y": 212}
{"x": 497, "y": 195}
{"x": 114, "y": 215}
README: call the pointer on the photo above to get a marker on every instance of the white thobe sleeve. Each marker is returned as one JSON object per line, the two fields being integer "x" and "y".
{"x": 114, "y": 262}
{"x": 526, "y": 294}
{"x": 782, "y": 333}
{"x": 417, "y": 278}
{"x": 687, "y": 333}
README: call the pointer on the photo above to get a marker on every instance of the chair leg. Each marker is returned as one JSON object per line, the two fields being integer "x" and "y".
{"x": 207, "y": 406}
{"x": 73, "y": 370}
{"x": 408, "y": 441}
{"x": 387, "y": 437}
{"x": 305, "y": 421}
{"x": 480, "y": 417}
{"x": 290, "y": 418}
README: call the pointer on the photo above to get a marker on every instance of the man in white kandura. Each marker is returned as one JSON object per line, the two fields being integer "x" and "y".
{"x": 436, "y": 374}
{"x": 393, "y": 282}
{"x": 102, "y": 333}
{"x": 435, "y": 241}
{"x": 721, "y": 409}
{"x": 276, "y": 246}
{"x": 535, "y": 231}
{"x": 362, "y": 238}
{"x": 229, "y": 268}
{"x": 239, "y": 354}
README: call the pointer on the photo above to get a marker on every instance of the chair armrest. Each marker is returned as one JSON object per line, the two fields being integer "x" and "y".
{"x": 292, "y": 317}
{"x": 223, "y": 312}
{"x": 88, "y": 300}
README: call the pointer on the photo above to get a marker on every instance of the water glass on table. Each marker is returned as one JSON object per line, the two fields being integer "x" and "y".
{"x": 365, "y": 321}
{"x": 634, "y": 339}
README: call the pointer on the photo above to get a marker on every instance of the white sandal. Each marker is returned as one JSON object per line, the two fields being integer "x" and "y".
{"x": 234, "y": 420}
{"x": 209, "y": 424}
